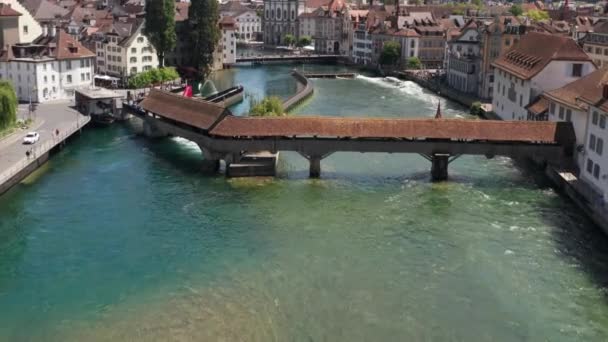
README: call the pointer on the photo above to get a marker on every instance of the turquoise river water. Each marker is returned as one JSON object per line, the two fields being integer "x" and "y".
{"x": 122, "y": 238}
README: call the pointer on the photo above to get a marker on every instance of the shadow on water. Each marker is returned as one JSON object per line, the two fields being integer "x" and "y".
{"x": 13, "y": 235}
{"x": 580, "y": 241}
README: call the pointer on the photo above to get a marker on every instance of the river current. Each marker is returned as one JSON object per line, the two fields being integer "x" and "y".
{"x": 122, "y": 238}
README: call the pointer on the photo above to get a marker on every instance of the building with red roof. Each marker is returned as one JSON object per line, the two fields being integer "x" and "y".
{"x": 537, "y": 63}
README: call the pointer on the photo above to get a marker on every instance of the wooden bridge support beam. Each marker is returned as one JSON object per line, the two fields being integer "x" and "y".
{"x": 439, "y": 168}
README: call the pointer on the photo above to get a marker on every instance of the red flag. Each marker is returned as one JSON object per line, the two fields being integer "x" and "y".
{"x": 188, "y": 91}
{"x": 438, "y": 114}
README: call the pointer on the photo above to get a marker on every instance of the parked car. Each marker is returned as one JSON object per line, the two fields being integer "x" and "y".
{"x": 31, "y": 138}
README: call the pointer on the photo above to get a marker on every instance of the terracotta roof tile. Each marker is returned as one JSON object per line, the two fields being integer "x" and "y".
{"x": 70, "y": 48}
{"x": 521, "y": 131}
{"x": 196, "y": 112}
{"x": 588, "y": 89}
{"x": 7, "y": 11}
{"x": 538, "y": 106}
{"x": 535, "y": 50}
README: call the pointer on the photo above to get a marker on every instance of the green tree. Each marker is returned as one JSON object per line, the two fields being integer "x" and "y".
{"x": 168, "y": 74}
{"x": 413, "y": 63}
{"x": 160, "y": 27}
{"x": 391, "y": 51}
{"x": 516, "y": 10}
{"x": 155, "y": 76}
{"x": 289, "y": 39}
{"x": 304, "y": 41}
{"x": 269, "y": 106}
{"x": 537, "y": 15}
{"x": 8, "y": 105}
{"x": 203, "y": 18}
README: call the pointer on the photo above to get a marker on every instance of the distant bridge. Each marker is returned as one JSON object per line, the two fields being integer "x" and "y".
{"x": 222, "y": 136}
{"x": 286, "y": 58}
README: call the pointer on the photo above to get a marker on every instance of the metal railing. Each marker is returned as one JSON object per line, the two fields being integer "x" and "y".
{"x": 38, "y": 150}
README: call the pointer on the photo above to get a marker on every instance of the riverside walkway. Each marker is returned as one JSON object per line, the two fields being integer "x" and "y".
{"x": 223, "y": 136}
{"x": 55, "y": 122}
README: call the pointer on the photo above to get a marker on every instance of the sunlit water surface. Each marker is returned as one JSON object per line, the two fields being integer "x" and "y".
{"x": 122, "y": 238}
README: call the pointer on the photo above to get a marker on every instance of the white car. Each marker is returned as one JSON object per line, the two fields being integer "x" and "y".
{"x": 31, "y": 138}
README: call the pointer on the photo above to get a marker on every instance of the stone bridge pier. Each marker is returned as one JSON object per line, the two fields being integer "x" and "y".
{"x": 439, "y": 165}
{"x": 152, "y": 129}
{"x": 314, "y": 160}
{"x": 211, "y": 160}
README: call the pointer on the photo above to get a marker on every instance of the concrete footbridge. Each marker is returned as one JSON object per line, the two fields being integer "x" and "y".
{"x": 223, "y": 136}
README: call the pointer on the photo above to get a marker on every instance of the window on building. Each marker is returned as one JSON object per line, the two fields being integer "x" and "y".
{"x": 596, "y": 171}
{"x": 133, "y": 59}
{"x": 82, "y": 77}
{"x": 552, "y": 108}
{"x": 569, "y": 115}
{"x": 68, "y": 79}
{"x": 25, "y": 29}
{"x": 82, "y": 63}
{"x": 589, "y": 165}
{"x": 140, "y": 39}
{"x": 594, "y": 118}
{"x": 602, "y": 121}
{"x": 577, "y": 70}
{"x": 599, "y": 146}
{"x": 68, "y": 65}
{"x": 133, "y": 70}
{"x": 88, "y": 76}
{"x": 45, "y": 79}
{"x": 592, "y": 142}
{"x": 561, "y": 113}
{"x": 53, "y": 78}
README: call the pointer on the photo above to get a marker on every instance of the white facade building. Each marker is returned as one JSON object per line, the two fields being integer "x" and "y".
{"x": 125, "y": 51}
{"x": 539, "y": 62}
{"x": 464, "y": 60}
{"x": 50, "y": 68}
{"x": 249, "y": 25}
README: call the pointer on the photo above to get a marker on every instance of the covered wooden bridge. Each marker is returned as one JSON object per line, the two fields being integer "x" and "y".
{"x": 222, "y": 135}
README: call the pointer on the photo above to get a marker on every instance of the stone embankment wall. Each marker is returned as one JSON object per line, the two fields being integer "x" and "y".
{"x": 305, "y": 89}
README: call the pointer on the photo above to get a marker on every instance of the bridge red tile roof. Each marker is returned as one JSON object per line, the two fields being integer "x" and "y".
{"x": 508, "y": 131}
{"x": 219, "y": 122}
{"x": 195, "y": 112}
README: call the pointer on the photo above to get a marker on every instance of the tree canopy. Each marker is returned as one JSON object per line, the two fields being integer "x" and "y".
{"x": 413, "y": 63}
{"x": 391, "y": 51}
{"x": 537, "y": 15}
{"x": 152, "y": 76}
{"x": 203, "y": 18}
{"x": 269, "y": 106}
{"x": 304, "y": 41}
{"x": 289, "y": 39}
{"x": 516, "y": 10}
{"x": 8, "y": 105}
{"x": 160, "y": 27}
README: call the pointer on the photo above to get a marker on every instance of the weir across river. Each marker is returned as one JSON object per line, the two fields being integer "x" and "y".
{"x": 223, "y": 136}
